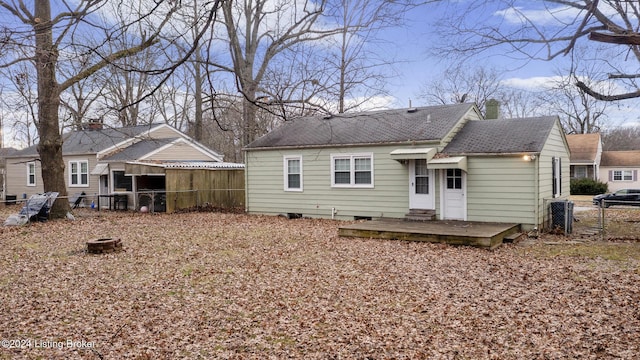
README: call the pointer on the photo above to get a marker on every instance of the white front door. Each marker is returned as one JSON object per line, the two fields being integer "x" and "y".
{"x": 454, "y": 201}
{"x": 420, "y": 185}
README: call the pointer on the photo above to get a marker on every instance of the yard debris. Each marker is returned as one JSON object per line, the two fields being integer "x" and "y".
{"x": 215, "y": 285}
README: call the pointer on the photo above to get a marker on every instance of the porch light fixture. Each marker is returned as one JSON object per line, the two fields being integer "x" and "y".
{"x": 529, "y": 157}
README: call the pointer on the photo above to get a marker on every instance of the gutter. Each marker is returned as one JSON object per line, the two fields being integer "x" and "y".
{"x": 316, "y": 146}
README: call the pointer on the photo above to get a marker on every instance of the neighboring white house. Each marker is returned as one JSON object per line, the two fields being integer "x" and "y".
{"x": 95, "y": 161}
{"x": 620, "y": 169}
{"x": 445, "y": 159}
{"x": 586, "y": 155}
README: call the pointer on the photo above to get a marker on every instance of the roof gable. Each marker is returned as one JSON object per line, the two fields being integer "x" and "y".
{"x": 584, "y": 147}
{"x": 375, "y": 127}
{"x": 502, "y": 136}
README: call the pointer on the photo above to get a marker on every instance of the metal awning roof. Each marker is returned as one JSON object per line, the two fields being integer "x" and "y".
{"x": 416, "y": 153}
{"x": 454, "y": 162}
{"x": 100, "y": 169}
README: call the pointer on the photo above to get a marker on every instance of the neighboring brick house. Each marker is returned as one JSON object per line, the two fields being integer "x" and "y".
{"x": 586, "y": 154}
{"x": 620, "y": 169}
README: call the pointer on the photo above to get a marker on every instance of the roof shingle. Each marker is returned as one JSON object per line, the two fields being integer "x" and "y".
{"x": 584, "y": 147}
{"x": 502, "y": 136}
{"x": 376, "y": 127}
{"x": 621, "y": 158}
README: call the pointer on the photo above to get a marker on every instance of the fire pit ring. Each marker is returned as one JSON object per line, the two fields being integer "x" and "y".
{"x": 104, "y": 245}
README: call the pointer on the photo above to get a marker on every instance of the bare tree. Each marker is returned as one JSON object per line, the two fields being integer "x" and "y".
{"x": 78, "y": 102}
{"x": 621, "y": 138}
{"x": 579, "y": 112}
{"x": 460, "y": 84}
{"x": 551, "y": 29}
{"x": 361, "y": 63}
{"x": 66, "y": 27}
{"x": 21, "y": 103}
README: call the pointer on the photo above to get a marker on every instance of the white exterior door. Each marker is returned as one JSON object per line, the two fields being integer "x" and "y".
{"x": 454, "y": 201}
{"x": 420, "y": 185}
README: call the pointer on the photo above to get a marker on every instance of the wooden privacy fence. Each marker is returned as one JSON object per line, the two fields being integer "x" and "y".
{"x": 189, "y": 188}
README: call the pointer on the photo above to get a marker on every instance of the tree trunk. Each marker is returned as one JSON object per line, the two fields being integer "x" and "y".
{"x": 197, "y": 126}
{"x": 50, "y": 146}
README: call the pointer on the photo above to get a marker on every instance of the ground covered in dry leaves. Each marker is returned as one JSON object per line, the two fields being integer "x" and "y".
{"x": 213, "y": 285}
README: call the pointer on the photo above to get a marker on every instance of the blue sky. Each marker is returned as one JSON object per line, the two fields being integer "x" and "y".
{"x": 413, "y": 43}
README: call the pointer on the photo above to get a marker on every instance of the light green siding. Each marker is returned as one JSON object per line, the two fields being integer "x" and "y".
{"x": 389, "y": 196}
{"x": 556, "y": 146}
{"x": 500, "y": 189}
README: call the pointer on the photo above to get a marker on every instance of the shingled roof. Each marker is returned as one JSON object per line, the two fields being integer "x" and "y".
{"x": 139, "y": 149}
{"x": 375, "y": 127}
{"x": 91, "y": 141}
{"x": 584, "y": 147}
{"x": 502, "y": 136}
{"x": 620, "y": 158}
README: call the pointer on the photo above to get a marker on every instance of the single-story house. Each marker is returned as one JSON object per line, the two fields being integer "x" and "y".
{"x": 620, "y": 169}
{"x": 98, "y": 161}
{"x": 586, "y": 155}
{"x": 443, "y": 159}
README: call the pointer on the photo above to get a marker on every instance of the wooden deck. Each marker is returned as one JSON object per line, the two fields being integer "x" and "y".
{"x": 480, "y": 234}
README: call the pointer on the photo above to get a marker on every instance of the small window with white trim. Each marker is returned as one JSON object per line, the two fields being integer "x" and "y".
{"x": 622, "y": 175}
{"x": 293, "y": 173}
{"x": 31, "y": 174}
{"x": 352, "y": 170}
{"x": 79, "y": 173}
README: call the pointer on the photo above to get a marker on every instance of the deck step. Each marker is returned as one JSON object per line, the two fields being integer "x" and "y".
{"x": 514, "y": 238}
{"x": 420, "y": 215}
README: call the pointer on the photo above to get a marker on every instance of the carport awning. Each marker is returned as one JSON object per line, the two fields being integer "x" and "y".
{"x": 454, "y": 162}
{"x": 411, "y": 154}
{"x": 136, "y": 169}
{"x": 100, "y": 169}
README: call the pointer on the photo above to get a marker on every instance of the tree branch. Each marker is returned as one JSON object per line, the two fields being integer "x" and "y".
{"x": 620, "y": 39}
{"x": 596, "y": 95}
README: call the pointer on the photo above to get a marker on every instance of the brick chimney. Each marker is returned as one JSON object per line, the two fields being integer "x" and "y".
{"x": 93, "y": 124}
{"x": 492, "y": 109}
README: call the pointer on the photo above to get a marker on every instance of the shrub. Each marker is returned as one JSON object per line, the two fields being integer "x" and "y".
{"x": 588, "y": 187}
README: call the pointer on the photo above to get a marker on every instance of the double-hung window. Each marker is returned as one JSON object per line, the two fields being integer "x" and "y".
{"x": 622, "y": 175}
{"x": 79, "y": 173}
{"x": 352, "y": 170}
{"x": 31, "y": 174}
{"x": 293, "y": 173}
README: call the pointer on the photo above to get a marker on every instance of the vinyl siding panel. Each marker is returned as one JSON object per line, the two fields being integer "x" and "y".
{"x": 555, "y": 146}
{"x": 180, "y": 151}
{"x": 265, "y": 185}
{"x": 500, "y": 189}
{"x": 17, "y": 177}
{"x": 620, "y": 184}
{"x": 164, "y": 132}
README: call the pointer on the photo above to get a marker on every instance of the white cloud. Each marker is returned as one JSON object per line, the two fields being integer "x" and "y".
{"x": 535, "y": 83}
{"x": 518, "y": 15}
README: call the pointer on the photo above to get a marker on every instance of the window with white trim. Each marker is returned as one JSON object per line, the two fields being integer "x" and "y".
{"x": 622, "y": 175}
{"x": 79, "y": 173}
{"x": 31, "y": 174}
{"x": 352, "y": 170}
{"x": 580, "y": 172}
{"x": 293, "y": 173}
